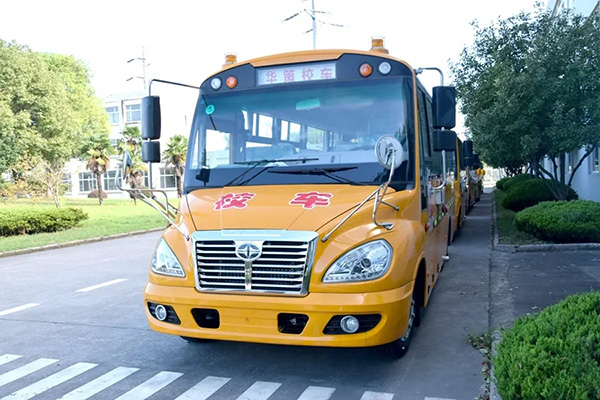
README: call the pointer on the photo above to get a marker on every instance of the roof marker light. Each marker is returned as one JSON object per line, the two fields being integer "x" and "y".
{"x": 385, "y": 68}
{"x": 216, "y": 83}
{"x": 231, "y": 82}
{"x": 365, "y": 70}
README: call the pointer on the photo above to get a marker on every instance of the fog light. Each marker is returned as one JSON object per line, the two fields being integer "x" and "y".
{"x": 349, "y": 324}
{"x": 161, "y": 312}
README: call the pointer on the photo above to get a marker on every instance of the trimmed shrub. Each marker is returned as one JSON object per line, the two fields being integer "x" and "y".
{"x": 500, "y": 183}
{"x": 94, "y": 194}
{"x": 515, "y": 180}
{"x": 562, "y": 221}
{"x": 19, "y": 221}
{"x": 530, "y": 192}
{"x": 554, "y": 354}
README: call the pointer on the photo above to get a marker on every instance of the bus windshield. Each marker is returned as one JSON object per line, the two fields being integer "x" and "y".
{"x": 319, "y": 133}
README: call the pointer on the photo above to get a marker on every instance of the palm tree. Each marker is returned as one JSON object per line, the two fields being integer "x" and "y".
{"x": 175, "y": 156}
{"x": 132, "y": 142}
{"x": 97, "y": 150}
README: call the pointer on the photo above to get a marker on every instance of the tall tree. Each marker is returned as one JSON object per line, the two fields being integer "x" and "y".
{"x": 529, "y": 89}
{"x": 47, "y": 106}
{"x": 175, "y": 155}
{"x": 98, "y": 150}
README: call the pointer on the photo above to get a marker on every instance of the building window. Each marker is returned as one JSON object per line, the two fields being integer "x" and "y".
{"x": 110, "y": 180}
{"x": 68, "y": 183}
{"x": 595, "y": 160}
{"x": 133, "y": 113}
{"x": 87, "y": 182}
{"x": 167, "y": 178}
{"x": 113, "y": 115}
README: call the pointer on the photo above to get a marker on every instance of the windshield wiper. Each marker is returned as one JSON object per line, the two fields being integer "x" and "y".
{"x": 327, "y": 171}
{"x": 257, "y": 163}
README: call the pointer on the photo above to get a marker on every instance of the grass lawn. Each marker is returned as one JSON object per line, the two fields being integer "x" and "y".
{"x": 507, "y": 232}
{"x": 114, "y": 216}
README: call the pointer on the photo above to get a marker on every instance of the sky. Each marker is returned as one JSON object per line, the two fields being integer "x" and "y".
{"x": 186, "y": 41}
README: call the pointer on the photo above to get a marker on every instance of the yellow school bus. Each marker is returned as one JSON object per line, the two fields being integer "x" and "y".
{"x": 315, "y": 206}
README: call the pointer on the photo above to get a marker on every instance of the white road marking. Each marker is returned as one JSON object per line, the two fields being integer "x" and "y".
{"x": 377, "y": 396}
{"x": 260, "y": 391}
{"x": 50, "y": 382}
{"x": 151, "y": 386}
{"x": 25, "y": 370}
{"x": 204, "y": 389}
{"x": 6, "y": 358}
{"x": 101, "y": 285}
{"x": 16, "y": 309}
{"x": 316, "y": 393}
{"x": 99, "y": 384}
{"x": 436, "y": 398}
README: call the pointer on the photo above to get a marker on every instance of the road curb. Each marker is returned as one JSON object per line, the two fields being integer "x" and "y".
{"x": 533, "y": 248}
{"x": 496, "y": 338}
{"x": 76, "y": 242}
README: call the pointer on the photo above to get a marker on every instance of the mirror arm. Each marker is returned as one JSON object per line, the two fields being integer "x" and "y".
{"x": 444, "y": 172}
{"x": 379, "y": 196}
{"x": 152, "y": 202}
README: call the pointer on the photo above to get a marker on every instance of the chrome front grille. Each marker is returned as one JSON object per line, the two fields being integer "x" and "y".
{"x": 283, "y": 266}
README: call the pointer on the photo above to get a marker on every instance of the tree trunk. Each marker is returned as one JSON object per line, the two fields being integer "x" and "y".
{"x": 179, "y": 186}
{"x": 99, "y": 184}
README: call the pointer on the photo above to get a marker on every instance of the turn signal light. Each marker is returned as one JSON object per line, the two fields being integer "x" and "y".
{"x": 365, "y": 70}
{"x": 231, "y": 82}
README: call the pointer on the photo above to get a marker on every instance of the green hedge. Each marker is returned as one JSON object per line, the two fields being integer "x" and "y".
{"x": 562, "y": 221}
{"x": 18, "y": 221}
{"x": 515, "y": 180}
{"x": 500, "y": 184}
{"x": 554, "y": 354}
{"x": 530, "y": 192}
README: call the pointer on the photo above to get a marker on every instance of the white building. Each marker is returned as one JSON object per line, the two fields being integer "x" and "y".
{"x": 587, "y": 178}
{"x": 125, "y": 110}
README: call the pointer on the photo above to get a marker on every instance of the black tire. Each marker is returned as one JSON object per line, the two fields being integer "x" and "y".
{"x": 193, "y": 339}
{"x": 449, "y": 234}
{"x": 398, "y": 348}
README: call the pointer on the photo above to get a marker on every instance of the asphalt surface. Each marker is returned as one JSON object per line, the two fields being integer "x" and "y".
{"x": 51, "y": 308}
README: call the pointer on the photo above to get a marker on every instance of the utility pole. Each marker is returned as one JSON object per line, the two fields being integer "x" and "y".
{"x": 312, "y": 13}
{"x": 314, "y": 23}
{"x": 144, "y": 65}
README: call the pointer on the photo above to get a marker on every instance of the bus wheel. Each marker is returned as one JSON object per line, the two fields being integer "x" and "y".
{"x": 193, "y": 339}
{"x": 449, "y": 235}
{"x": 399, "y": 347}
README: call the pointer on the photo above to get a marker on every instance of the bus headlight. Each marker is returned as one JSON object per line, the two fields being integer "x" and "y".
{"x": 364, "y": 263}
{"x": 165, "y": 262}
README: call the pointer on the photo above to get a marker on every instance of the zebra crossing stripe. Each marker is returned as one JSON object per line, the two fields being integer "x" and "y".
{"x": 204, "y": 389}
{"x": 260, "y": 391}
{"x": 151, "y": 386}
{"x": 377, "y": 396}
{"x": 6, "y": 358}
{"x": 316, "y": 393}
{"x": 50, "y": 382}
{"x": 25, "y": 370}
{"x": 99, "y": 384}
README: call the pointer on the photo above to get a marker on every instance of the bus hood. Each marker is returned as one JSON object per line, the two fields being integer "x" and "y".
{"x": 294, "y": 207}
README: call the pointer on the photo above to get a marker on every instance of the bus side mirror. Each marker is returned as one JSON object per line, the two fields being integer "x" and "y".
{"x": 468, "y": 149}
{"x": 444, "y": 107}
{"x": 444, "y": 140}
{"x": 476, "y": 162}
{"x": 151, "y": 152}
{"x": 151, "y": 117}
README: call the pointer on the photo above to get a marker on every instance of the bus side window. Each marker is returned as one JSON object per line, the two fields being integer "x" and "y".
{"x": 425, "y": 153}
{"x": 437, "y": 166}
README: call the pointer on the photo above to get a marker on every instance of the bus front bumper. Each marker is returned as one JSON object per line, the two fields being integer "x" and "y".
{"x": 254, "y": 318}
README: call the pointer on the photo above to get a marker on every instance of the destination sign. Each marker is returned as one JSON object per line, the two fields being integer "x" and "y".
{"x": 296, "y": 73}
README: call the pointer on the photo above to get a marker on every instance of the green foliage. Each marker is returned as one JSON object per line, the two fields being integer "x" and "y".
{"x": 554, "y": 354}
{"x": 32, "y": 220}
{"x": 501, "y": 182}
{"x": 515, "y": 180}
{"x": 132, "y": 142}
{"x": 46, "y": 106}
{"x": 562, "y": 221}
{"x": 528, "y": 88}
{"x": 98, "y": 150}
{"x": 530, "y": 192}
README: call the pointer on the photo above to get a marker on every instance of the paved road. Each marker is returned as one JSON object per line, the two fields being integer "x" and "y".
{"x": 72, "y": 323}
